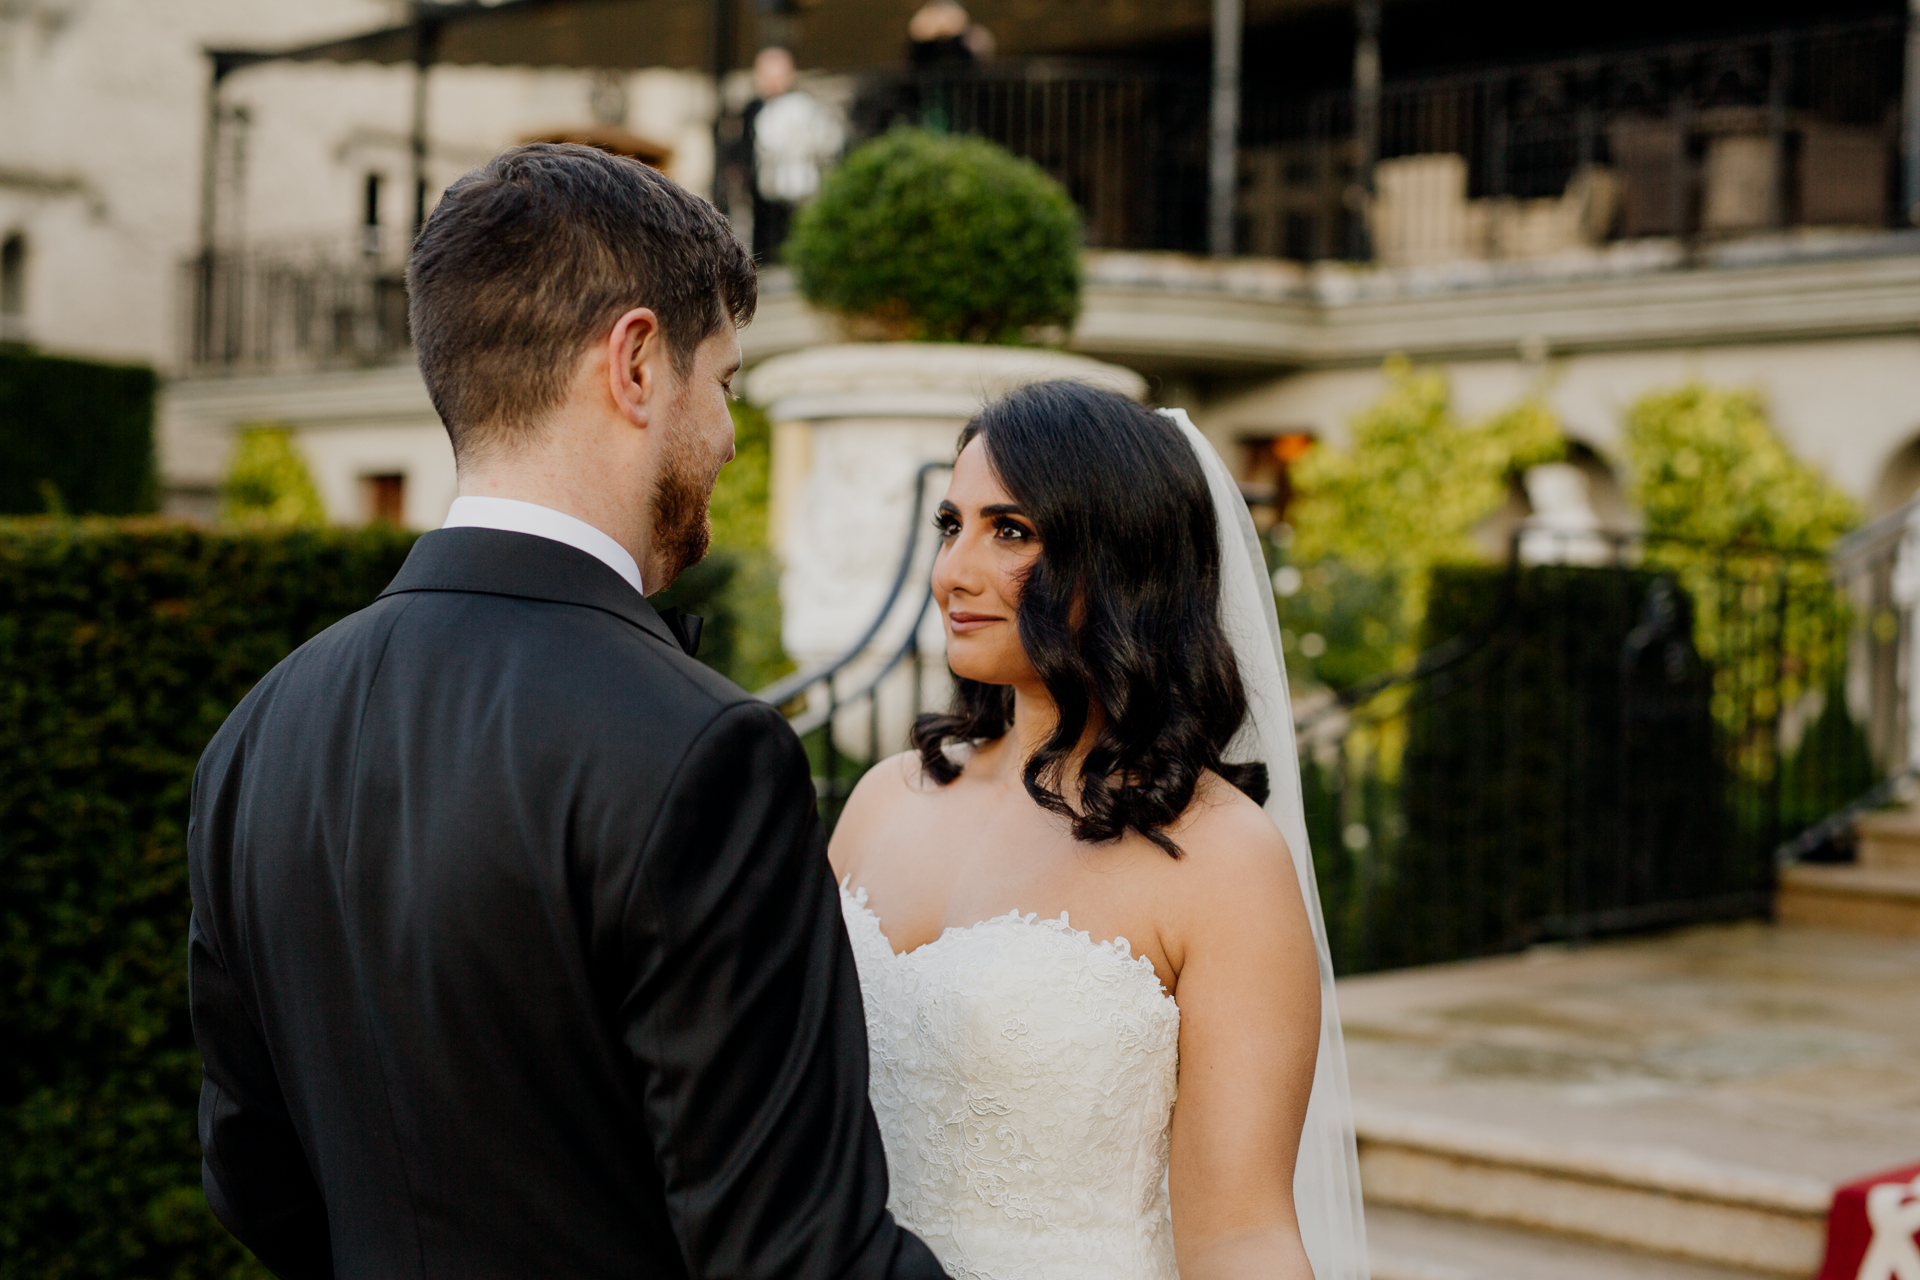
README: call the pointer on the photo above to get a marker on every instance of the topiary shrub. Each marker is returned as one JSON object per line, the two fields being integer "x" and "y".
{"x": 934, "y": 238}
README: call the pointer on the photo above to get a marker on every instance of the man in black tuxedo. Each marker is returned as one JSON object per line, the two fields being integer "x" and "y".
{"x": 514, "y": 948}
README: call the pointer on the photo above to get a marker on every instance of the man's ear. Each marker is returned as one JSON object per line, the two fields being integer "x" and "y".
{"x": 634, "y": 347}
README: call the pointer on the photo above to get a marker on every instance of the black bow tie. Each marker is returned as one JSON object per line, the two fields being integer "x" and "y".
{"x": 686, "y": 629}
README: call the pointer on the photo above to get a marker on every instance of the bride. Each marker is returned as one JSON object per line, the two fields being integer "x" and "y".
{"x": 1077, "y": 901}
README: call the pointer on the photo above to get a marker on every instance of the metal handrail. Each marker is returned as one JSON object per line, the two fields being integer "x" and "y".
{"x": 787, "y": 688}
{"x": 1838, "y": 823}
{"x": 1877, "y": 536}
{"x": 808, "y": 721}
{"x": 1450, "y": 653}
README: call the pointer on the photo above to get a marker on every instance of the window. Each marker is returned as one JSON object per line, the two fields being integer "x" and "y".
{"x": 386, "y": 498}
{"x": 370, "y": 219}
{"x": 13, "y": 288}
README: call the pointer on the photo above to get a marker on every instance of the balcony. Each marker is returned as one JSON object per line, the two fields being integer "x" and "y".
{"x": 1700, "y": 141}
{"x": 1758, "y": 151}
{"x": 299, "y": 308}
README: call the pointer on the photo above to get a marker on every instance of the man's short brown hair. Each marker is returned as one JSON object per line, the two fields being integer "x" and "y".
{"x": 531, "y": 257}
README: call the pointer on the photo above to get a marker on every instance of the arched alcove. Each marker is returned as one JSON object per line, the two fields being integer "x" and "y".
{"x": 1606, "y": 488}
{"x": 1899, "y": 478}
{"x": 1605, "y": 495}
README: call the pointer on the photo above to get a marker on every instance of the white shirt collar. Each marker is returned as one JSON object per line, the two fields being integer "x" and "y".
{"x": 515, "y": 516}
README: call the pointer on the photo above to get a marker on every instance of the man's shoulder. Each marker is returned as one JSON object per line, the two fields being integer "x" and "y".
{"x": 607, "y": 659}
{"x": 585, "y": 666}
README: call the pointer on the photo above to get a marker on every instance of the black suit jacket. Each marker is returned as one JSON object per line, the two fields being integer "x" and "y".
{"x": 515, "y": 951}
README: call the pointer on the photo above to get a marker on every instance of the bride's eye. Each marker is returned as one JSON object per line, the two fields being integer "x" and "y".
{"x": 1012, "y": 531}
{"x": 946, "y": 525}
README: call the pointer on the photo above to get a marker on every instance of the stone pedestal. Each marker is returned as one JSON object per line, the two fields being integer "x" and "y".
{"x": 853, "y": 424}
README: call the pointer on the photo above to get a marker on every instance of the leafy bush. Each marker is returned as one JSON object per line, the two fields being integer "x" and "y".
{"x": 75, "y": 435}
{"x": 122, "y": 647}
{"x": 940, "y": 239}
{"x": 1339, "y": 626}
{"x": 268, "y": 484}
{"x": 1375, "y": 517}
{"x": 1707, "y": 466}
{"x": 1831, "y": 765}
{"x": 1711, "y": 474}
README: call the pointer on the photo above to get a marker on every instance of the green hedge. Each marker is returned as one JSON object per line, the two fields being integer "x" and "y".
{"x": 737, "y": 587}
{"x": 736, "y": 591}
{"x": 122, "y": 647}
{"x": 75, "y": 435}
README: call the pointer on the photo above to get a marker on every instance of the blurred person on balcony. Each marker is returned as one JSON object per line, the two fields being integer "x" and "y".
{"x": 942, "y": 34}
{"x": 791, "y": 138}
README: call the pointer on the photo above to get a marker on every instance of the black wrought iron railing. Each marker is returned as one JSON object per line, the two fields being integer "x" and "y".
{"x": 1631, "y": 735}
{"x": 843, "y": 708}
{"x": 1609, "y": 733}
{"x": 1128, "y": 142}
{"x": 278, "y": 308}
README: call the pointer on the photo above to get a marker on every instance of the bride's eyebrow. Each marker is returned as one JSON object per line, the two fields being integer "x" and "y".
{"x": 1003, "y": 509}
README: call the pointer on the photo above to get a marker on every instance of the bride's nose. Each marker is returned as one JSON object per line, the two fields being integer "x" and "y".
{"x": 956, "y": 568}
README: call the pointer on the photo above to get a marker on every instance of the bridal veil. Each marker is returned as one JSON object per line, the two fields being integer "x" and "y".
{"x": 1326, "y": 1180}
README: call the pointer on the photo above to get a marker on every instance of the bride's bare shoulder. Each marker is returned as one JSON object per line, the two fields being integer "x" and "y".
{"x": 1234, "y": 862}
{"x": 876, "y": 802}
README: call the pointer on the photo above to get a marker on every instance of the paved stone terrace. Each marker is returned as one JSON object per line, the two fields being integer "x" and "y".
{"x": 1785, "y": 1050}
{"x": 1572, "y": 1094}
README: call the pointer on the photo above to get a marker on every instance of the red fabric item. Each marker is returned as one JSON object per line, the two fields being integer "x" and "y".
{"x": 1850, "y": 1227}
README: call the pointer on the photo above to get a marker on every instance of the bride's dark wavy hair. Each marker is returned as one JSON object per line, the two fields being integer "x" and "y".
{"x": 1119, "y": 613}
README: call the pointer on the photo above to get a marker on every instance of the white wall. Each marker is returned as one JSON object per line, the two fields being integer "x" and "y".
{"x": 102, "y": 114}
{"x": 318, "y": 131}
{"x": 101, "y": 108}
{"x": 340, "y": 458}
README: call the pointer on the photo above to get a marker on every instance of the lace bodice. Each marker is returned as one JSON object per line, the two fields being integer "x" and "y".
{"x": 1023, "y": 1075}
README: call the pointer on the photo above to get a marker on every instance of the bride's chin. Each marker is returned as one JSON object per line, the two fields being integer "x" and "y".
{"x": 979, "y": 672}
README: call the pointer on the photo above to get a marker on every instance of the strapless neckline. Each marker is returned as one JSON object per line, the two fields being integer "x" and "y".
{"x": 1117, "y": 947}
{"x": 1023, "y": 1075}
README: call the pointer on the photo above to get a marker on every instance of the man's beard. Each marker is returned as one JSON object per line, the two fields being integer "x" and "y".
{"x": 682, "y": 526}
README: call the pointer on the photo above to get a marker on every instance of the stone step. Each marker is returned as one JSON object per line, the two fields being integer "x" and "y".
{"x": 1890, "y": 841}
{"x": 1655, "y": 1200}
{"x": 1407, "y": 1244}
{"x": 1860, "y": 898}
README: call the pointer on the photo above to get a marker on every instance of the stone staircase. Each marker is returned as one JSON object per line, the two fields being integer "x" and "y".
{"x": 1879, "y": 893}
{"x": 1633, "y": 1204}
{"x": 1411, "y": 1244}
{"x": 1675, "y": 1108}
{"x": 1667, "y": 1108}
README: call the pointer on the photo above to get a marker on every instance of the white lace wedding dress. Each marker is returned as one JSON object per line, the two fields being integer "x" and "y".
{"x": 1023, "y": 1075}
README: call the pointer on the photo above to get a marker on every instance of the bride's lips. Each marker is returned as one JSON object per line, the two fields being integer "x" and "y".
{"x": 962, "y": 623}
